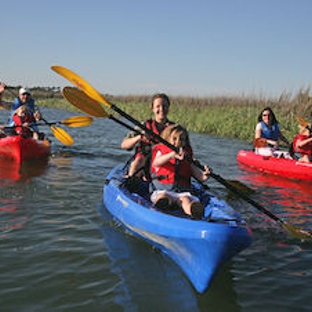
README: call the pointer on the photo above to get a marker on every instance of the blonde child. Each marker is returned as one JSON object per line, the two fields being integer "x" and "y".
{"x": 176, "y": 170}
{"x": 22, "y": 121}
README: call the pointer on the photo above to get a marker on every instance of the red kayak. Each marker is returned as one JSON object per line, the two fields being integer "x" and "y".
{"x": 20, "y": 149}
{"x": 288, "y": 168}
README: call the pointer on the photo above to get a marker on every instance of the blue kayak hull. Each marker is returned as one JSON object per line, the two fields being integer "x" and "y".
{"x": 199, "y": 247}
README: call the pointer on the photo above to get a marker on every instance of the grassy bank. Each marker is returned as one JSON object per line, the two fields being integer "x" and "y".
{"x": 232, "y": 117}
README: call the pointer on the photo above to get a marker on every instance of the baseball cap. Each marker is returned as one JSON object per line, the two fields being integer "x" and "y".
{"x": 24, "y": 91}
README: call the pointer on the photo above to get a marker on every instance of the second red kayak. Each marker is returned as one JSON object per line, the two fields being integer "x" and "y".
{"x": 20, "y": 149}
{"x": 288, "y": 168}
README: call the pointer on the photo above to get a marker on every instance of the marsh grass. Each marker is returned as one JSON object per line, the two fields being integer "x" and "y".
{"x": 232, "y": 117}
{"x": 224, "y": 116}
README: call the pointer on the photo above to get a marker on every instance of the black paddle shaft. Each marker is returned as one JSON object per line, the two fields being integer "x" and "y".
{"x": 149, "y": 132}
{"x": 196, "y": 163}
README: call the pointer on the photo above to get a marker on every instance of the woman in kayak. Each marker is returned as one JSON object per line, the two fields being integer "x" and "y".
{"x": 160, "y": 108}
{"x": 173, "y": 171}
{"x": 268, "y": 133}
{"x": 24, "y": 123}
{"x": 303, "y": 144}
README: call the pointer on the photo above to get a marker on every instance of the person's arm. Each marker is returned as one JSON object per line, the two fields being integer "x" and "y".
{"x": 200, "y": 175}
{"x": 4, "y": 105}
{"x": 130, "y": 141}
{"x": 161, "y": 159}
{"x": 35, "y": 111}
{"x": 2, "y": 87}
{"x": 133, "y": 138}
{"x": 302, "y": 143}
{"x": 258, "y": 131}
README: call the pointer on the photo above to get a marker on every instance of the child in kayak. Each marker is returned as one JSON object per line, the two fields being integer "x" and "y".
{"x": 23, "y": 122}
{"x": 174, "y": 171}
{"x": 303, "y": 143}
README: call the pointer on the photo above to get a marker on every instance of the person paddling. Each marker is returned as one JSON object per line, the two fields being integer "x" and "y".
{"x": 24, "y": 98}
{"x": 268, "y": 133}
{"x": 143, "y": 144}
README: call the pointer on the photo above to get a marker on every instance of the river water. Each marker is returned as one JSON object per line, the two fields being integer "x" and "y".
{"x": 61, "y": 251}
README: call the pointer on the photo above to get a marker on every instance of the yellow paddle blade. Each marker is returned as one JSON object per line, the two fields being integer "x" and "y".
{"x": 302, "y": 122}
{"x": 62, "y": 135}
{"x": 81, "y": 84}
{"x": 77, "y": 121}
{"x": 297, "y": 233}
{"x": 82, "y": 101}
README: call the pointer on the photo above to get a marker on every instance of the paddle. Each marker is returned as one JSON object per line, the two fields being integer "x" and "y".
{"x": 304, "y": 123}
{"x": 74, "y": 122}
{"x": 260, "y": 142}
{"x": 62, "y": 135}
{"x": 88, "y": 105}
{"x": 95, "y": 95}
{"x": 82, "y": 101}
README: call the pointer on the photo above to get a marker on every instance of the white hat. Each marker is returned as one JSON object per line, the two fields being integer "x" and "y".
{"x": 24, "y": 90}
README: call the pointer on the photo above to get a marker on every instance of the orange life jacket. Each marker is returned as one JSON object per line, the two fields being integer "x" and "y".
{"x": 174, "y": 173}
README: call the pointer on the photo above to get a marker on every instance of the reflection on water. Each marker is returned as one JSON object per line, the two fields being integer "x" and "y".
{"x": 59, "y": 254}
{"x": 12, "y": 171}
{"x": 10, "y": 218}
{"x": 294, "y": 197}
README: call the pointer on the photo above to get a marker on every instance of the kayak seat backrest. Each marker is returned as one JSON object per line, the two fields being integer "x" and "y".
{"x": 136, "y": 185}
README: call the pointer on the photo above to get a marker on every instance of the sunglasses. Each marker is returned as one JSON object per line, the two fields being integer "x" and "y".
{"x": 266, "y": 115}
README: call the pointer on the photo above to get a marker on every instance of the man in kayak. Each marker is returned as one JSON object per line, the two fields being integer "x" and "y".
{"x": 23, "y": 98}
{"x": 175, "y": 169}
{"x": 143, "y": 143}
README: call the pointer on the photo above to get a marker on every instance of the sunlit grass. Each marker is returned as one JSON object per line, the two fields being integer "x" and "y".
{"x": 232, "y": 117}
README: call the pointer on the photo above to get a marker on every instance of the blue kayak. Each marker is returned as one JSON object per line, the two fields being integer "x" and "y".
{"x": 199, "y": 247}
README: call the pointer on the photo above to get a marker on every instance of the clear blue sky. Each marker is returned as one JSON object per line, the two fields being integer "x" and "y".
{"x": 195, "y": 47}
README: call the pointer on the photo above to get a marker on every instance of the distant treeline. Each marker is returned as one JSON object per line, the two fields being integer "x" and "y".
{"x": 37, "y": 92}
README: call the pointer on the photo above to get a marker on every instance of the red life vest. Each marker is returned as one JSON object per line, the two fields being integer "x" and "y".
{"x": 157, "y": 128}
{"x": 168, "y": 170}
{"x": 304, "y": 150}
{"x": 18, "y": 122}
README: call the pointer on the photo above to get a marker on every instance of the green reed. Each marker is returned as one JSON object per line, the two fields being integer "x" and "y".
{"x": 232, "y": 117}
{"x": 224, "y": 116}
